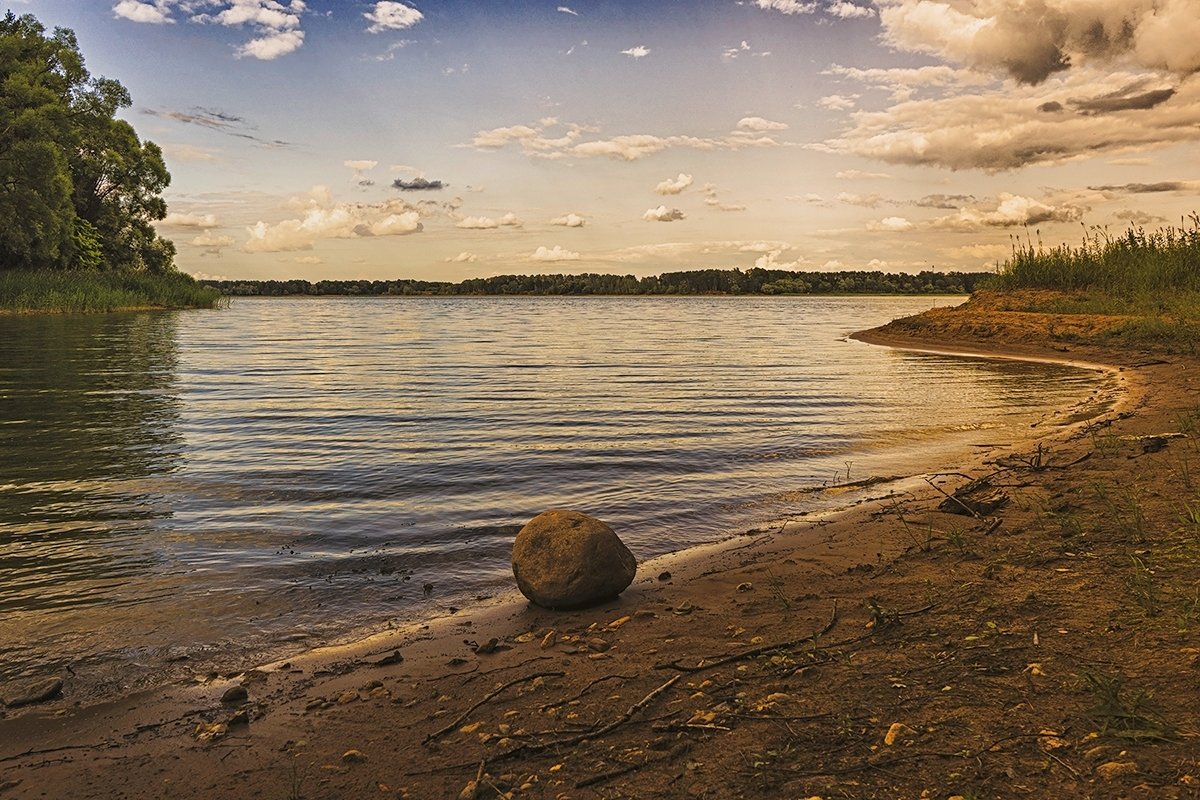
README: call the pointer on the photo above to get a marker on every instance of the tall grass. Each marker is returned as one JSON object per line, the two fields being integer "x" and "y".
{"x": 25, "y": 291}
{"x": 1149, "y": 281}
{"x": 1134, "y": 264}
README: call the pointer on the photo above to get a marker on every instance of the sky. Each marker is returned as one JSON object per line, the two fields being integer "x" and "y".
{"x": 447, "y": 139}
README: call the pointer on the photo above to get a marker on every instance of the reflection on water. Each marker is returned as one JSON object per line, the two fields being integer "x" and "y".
{"x": 198, "y": 483}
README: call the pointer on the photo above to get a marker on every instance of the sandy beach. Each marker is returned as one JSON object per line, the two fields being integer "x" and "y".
{"x": 1046, "y": 647}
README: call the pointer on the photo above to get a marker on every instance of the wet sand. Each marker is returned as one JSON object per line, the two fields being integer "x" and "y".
{"x": 1047, "y": 649}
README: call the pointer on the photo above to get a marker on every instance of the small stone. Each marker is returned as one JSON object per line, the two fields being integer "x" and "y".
{"x": 684, "y": 608}
{"x": 242, "y": 717}
{"x": 210, "y": 733}
{"x": 354, "y": 757}
{"x": 893, "y": 732}
{"x": 469, "y": 792}
{"x": 644, "y": 613}
{"x": 664, "y": 576}
{"x": 1114, "y": 769}
{"x": 347, "y": 697}
{"x": 549, "y": 639}
{"x": 235, "y": 694}
{"x": 598, "y": 644}
{"x": 745, "y": 587}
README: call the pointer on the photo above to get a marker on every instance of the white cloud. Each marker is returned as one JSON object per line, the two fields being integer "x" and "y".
{"x": 859, "y": 175}
{"x": 153, "y": 13}
{"x": 838, "y": 102}
{"x": 566, "y": 10}
{"x": 711, "y": 199}
{"x": 537, "y": 140}
{"x": 674, "y": 185}
{"x": 212, "y": 241}
{"x": 463, "y": 258}
{"x": 182, "y": 219}
{"x": 787, "y": 6}
{"x": 663, "y": 214}
{"x": 509, "y": 220}
{"x": 758, "y": 124}
{"x": 555, "y": 253}
{"x": 891, "y": 224}
{"x": 1008, "y": 211}
{"x": 308, "y": 260}
{"x": 864, "y": 200}
{"x": 845, "y": 10}
{"x": 640, "y": 51}
{"x": 322, "y": 218}
{"x": 188, "y": 152}
{"x": 361, "y": 167}
{"x": 569, "y": 221}
{"x": 391, "y": 16}
{"x": 272, "y": 45}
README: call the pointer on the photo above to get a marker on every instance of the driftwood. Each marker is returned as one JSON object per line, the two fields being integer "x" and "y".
{"x": 719, "y": 661}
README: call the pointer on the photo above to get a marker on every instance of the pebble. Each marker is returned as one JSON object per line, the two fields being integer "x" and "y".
{"x": 1114, "y": 769}
{"x": 354, "y": 757}
{"x": 745, "y": 587}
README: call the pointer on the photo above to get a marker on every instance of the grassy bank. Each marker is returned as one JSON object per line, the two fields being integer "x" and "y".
{"x": 23, "y": 291}
{"x": 1146, "y": 283}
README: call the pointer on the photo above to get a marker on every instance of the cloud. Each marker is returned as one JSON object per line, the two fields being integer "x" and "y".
{"x": 663, "y": 214}
{"x": 151, "y": 13}
{"x": 1002, "y": 129}
{"x": 213, "y": 245}
{"x": 838, "y": 102}
{"x": 272, "y": 45}
{"x": 1009, "y": 211}
{"x": 568, "y": 141}
{"x": 463, "y": 258}
{"x": 322, "y": 218}
{"x": 1030, "y": 41}
{"x": 188, "y": 152}
{"x": 566, "y": 10}
{"x": 509, "y": 220}
{"x": 844, "y": 10}
{"x": 891, "y": 224}
{"x": 640, "y": 51}
{"x": 758, "y": 124}
{"x": 711, "y": 199}
{"x": 947, "y": 201}
{"x": 417, "y": 184}
{"x": 569, "y": 221}
{"x": 787, "y": 6}
{"x": 1139, "y": 217}
{"x": 859, "y": 175}
{"x": 182, "y": 219}
{"x": 360, "y": 167}
{"x": 904, "y": 82}
{"x": 221, "y": 121}
{"x": 391, "y": 16}
{"x": 555, "y": 253}
{"x": 1120, "y": 100}
{"x": 864, "y": 200}
{"x": 674, "y": 185}
{"x": 1148, "y": 188}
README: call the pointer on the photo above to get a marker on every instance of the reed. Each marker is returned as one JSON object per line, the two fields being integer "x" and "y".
{"x": 43, "y": 291}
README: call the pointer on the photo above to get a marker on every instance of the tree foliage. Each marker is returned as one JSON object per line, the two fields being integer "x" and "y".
{"x": 78, "y": 188}
{"x": 693, "y": 282}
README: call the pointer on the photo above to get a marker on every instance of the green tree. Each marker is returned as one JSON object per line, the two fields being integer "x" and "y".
{"x": 78, "y": 189}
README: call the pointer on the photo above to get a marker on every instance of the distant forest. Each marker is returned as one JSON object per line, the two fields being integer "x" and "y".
{"x": 694, "y": 282}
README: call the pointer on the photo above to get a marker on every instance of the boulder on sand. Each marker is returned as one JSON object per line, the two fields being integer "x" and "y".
{"x": 564, "y": 559}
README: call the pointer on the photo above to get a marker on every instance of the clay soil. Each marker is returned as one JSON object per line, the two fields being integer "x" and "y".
{"x": 1048, "y": 648}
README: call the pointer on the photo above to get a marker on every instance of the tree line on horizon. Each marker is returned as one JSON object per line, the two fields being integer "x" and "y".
{"x": 755, "y": 281}
{"x": 78, "y": 189}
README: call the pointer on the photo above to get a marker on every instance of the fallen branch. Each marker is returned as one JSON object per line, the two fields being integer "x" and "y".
{"x": 461, "y": 717}
{"x": 756, "y": 651}
{"x": 584, "y": 691}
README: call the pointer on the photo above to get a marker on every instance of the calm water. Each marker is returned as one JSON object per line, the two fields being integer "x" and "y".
{"x": 205, "y": 484}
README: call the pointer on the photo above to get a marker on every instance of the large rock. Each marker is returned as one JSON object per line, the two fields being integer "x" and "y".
{"x": 564, "y": 559}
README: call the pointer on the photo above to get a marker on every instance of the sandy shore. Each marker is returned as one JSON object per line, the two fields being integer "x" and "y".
{"x": 1047, "y": 649}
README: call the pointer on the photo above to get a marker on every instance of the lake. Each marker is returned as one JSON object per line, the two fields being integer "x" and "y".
{"x": 193, "y": 488}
